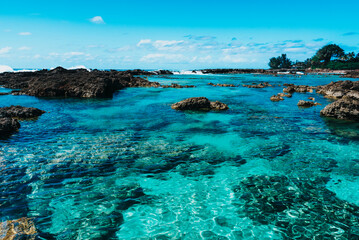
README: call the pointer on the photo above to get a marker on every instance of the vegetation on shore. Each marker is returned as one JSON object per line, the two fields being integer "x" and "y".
{"x": 330, "y": 56}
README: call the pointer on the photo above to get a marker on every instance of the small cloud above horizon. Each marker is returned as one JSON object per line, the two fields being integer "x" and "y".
{"x": 97, "y": 20}
{"x": 24, "y": 48}
{"x": 318, "y": 39}
{"x": 24, "y": 33}
{"x": 350, "y": 34}
{"x": 5, "y": 50}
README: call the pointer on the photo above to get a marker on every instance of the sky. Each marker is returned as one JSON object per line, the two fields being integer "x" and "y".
{"x": 176, "y": 35}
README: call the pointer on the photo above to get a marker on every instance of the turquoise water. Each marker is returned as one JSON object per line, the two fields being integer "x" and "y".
{"x": 130, "y": 167}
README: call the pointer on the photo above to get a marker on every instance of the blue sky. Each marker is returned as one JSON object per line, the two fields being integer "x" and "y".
{"x": 171, "y": 34}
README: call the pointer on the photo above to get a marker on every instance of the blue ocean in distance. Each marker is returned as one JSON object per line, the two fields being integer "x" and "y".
{"x": 130, "y": 167}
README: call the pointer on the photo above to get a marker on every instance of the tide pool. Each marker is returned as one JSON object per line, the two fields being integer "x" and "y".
{"x": 130, "y": 167}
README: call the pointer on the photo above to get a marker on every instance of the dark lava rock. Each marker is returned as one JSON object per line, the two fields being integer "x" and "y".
{"x": 291, "y": 88}
{"x": 306, "y": 104}
{"x": 260, "y": 85}
{"x": 20, "y": 112}
{"x": 8, "y": 126}
{"x": 300, "y": 208}
{"x": 199, "y": 104}
{"x": 60, "y": 82}
{"x": 9, "y": 116}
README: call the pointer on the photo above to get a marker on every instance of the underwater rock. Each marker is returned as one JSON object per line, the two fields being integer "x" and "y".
{"x": 259, "y": 85}
{"x": 23, "y": 228}
{"x": 20, "y": 112}
{"x": 306, "y": 104}
{"x": 300, "y": 208}
{"x": 276, "y": 98}
{"x": 199, "y": 104}
{"x": 60, "y": 82}
{"x": 8, "y": 125}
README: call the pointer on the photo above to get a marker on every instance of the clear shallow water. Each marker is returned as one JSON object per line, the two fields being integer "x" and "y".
{"x": 130, "y": 167}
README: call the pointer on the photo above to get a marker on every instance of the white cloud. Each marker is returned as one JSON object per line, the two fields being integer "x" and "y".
{"x": 165, "y": 45}
{"x": 24, "y": 33}
{"x": 169, "y": 58}
{"x": 144, "y": 42}
{"x": 24, "y": 48}
{"x": 5, "y": 50}
{"x": 97, "y": 20}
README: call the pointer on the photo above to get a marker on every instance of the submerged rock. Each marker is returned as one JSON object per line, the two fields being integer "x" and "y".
{"x": 300, "y": 208}
{"x": 199, "y": 104}
{"x": 23, "y": 228}
{"x": 289, "y": 95}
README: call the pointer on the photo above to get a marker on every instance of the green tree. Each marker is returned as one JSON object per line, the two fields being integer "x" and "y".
{"x": 326, "y": 53}
{"x": 280, "y": 62}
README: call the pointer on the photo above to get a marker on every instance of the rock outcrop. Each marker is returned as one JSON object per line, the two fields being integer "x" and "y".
{"x": 60, "y": 82}
{"x": 346, "y": 94}
{"x": 199, "y": 104}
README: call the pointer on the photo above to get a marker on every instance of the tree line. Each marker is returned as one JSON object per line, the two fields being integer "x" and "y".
{"x": 330, "y": 56}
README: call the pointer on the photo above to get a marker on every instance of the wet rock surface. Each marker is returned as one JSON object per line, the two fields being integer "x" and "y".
{"x": 300, "y": 208}
{"x": 60, "y": 82}
{"x": 23, "y": 228}
{"x": 199, "y": 104}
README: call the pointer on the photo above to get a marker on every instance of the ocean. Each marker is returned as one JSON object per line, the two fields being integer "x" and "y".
{"x": 130, "y": 167}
